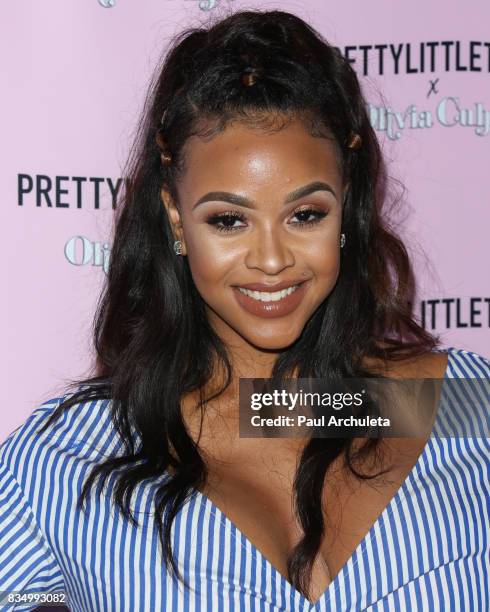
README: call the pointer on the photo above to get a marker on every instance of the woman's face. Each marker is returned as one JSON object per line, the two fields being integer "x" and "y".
{"x": 264, "y": 208}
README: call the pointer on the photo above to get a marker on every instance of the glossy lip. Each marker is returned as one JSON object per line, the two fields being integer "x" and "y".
{"x": 279, "y": 308}
{"x": 271, "y": 288}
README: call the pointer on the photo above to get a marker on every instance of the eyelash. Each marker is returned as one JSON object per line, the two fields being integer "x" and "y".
{"x": 215, "y": 219}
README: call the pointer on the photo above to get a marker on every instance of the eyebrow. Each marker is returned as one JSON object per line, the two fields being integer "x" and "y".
{"x": 234, "y": 198}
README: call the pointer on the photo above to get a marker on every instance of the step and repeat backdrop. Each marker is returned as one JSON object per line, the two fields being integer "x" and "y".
{"x": 75, "y": 75}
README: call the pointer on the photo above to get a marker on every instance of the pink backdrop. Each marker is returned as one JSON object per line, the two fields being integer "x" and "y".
{"x": 75, "y": 75}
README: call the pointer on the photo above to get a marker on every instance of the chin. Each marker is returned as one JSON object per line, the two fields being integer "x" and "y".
{"x": 273, "y": 343}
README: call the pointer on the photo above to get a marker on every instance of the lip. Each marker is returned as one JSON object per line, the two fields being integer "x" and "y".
{"x": 279, "y": 308}
{"x": 272, "y": 288}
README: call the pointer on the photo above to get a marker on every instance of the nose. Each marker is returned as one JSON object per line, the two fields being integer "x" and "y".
{"x": 269, "y": 251}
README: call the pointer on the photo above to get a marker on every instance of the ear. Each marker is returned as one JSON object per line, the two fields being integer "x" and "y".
{"x": 174, "y": 216}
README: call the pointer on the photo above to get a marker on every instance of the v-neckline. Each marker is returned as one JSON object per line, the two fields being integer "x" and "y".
{"x": 370, "y": 535}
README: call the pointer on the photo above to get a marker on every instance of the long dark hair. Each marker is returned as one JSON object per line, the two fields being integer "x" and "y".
{"x": 152, "y": 338}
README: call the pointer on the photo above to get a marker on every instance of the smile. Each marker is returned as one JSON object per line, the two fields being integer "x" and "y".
{"x": 264, "y": 296}
{"x": 271, "y": 304}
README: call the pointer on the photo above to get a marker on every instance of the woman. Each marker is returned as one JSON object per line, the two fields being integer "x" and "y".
{"x": 250, "y": 243}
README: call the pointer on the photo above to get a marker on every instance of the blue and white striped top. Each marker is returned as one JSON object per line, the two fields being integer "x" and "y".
{"x": 429, "y": 549}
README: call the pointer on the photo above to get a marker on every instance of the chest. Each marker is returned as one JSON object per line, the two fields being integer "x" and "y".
{"x": 251, "y": 482}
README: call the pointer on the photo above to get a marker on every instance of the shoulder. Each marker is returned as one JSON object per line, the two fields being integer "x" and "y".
{"x": 37, "y": 468}
{"x": 449, "y": 362}
{"x": 463, "y": 399}
{"x": 467, "y": 364}
{"x": 52, "y": 435}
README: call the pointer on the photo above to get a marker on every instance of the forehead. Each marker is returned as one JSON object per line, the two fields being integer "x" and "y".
{"x": 262, "y": 158}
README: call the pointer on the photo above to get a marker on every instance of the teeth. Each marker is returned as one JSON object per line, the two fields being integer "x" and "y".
{"x": 268, "y": 297}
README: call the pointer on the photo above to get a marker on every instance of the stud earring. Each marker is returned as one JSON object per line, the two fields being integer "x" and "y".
{"x": 178, "y": 247}
{"x": 342, "y": 240}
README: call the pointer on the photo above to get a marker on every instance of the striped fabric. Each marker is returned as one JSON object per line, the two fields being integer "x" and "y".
{"x": 429, "y": 550}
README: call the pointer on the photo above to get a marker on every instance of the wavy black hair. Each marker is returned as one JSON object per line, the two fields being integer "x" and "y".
{"x": 153, "y": 341}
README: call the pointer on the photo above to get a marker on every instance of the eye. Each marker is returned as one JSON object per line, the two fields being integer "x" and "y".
{"x": 225, "y": 222}
{"x": 306, "y": 213}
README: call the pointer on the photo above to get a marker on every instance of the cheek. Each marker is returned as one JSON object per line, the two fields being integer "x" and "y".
{"x": 324, "y": 257}
{"x": 210, "y": 259}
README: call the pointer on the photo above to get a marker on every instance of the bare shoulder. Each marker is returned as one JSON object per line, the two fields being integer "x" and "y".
{"x": 431, "y": 364}
{"x": 428, "y": 365}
